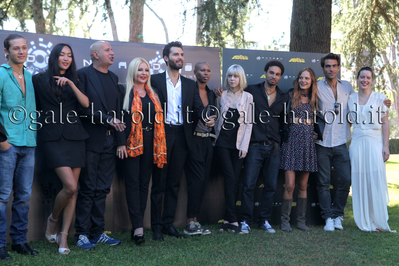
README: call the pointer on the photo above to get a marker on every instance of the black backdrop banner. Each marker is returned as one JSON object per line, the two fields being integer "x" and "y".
{"x": 40, "y": 46}
{"x": 254, "y": 61}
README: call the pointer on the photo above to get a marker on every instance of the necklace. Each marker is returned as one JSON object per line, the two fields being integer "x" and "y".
{"x": 19, "y": 75}
{"x": 268, "y": 94}
{"x": 305, "y": 95}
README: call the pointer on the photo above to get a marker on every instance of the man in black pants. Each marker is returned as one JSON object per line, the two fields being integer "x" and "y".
{"x": 103, "y": 125}
{"x": 264, "y": 148}
{"x": 179, "y": 98}
{"x": 199, "y": 159}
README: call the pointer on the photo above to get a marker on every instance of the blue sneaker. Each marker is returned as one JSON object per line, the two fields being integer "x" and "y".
{"x": 103, "y": 238}
{"x": 84, "y": 243}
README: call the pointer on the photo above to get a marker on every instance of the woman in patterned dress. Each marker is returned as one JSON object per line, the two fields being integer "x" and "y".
{"x": 298, "y": 153}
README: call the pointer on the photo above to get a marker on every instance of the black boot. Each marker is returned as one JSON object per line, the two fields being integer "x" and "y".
{"x": 285, "y": 215}
{"x": 301, "y": 214}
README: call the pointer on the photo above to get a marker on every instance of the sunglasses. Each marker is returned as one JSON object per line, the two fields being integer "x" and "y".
{"x": 336, "y": 108}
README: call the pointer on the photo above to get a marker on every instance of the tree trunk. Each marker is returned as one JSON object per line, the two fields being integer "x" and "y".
{"x": 107, "y": 4}
{"x": 136, "y": 20}
{"x": 311, "y": 26}
{"x": 38, "y": 18}
{"x": 199, "y": 26}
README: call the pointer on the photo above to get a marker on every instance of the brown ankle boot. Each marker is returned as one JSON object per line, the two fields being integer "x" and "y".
{"x": 285, "y": 215}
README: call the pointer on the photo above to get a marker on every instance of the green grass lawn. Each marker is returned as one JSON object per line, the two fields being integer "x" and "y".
{"x": 317, "y": 247}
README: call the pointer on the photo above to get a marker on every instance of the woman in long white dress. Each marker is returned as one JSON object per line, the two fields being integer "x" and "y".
{"x": 369, "y": 150}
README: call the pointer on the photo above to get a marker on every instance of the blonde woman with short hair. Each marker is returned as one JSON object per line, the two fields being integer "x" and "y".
{"x": 233, "y": 132}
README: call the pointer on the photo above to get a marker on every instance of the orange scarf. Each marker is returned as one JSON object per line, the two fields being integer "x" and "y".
{"x": 135, "y": 140}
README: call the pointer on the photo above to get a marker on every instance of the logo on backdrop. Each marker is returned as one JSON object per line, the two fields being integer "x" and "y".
{"x": 240, "y": 57}
{"x": 38, "y": 55}
{"x": 157, "y": 65}
{"x": 297, "y": 60}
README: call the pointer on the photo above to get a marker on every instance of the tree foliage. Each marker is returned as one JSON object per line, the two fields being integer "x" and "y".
{"x": 370, "y": 36}
{"x": 222, "y": 22}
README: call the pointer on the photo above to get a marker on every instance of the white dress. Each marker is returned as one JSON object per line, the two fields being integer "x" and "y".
{"x": 369, "y": 184}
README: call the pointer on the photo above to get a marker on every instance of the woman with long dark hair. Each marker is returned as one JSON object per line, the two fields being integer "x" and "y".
{"x": 298, "y": 152}
{"x": 62, "y": 135}
{"x": 145, "y": 147}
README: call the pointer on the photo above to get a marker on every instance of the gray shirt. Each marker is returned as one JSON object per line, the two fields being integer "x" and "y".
{"x": 337, "y": 129}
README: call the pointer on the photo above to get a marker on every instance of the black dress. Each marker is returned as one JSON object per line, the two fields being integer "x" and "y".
{"x": 60, "y": 130}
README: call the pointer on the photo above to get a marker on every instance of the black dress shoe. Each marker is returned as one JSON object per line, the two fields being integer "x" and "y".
{"x": 158, "y": 235}
{"x": 173, "y": 232}
{"x": 24, "y": 249}
{"x": 137, "y": 239}
{"x": 4, "y": 254}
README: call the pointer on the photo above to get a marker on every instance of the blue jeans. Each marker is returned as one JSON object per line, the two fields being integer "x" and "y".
{"x": 339, "y": 157}
{"x": 16, "y": 169}
{"x": 259, "y": 156}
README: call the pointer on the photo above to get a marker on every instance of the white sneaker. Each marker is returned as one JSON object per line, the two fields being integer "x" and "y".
{"x": 329, "y": 225}
{"x": 267, "y": 227}
{"x": 245, "y": 228}
{"x": 338, "y": 223}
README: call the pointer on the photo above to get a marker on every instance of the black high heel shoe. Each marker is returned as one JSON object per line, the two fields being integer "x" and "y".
{"x": 138, "y": 239}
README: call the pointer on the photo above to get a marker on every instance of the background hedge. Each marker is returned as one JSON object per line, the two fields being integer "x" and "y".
{"x": 394, "y": 146}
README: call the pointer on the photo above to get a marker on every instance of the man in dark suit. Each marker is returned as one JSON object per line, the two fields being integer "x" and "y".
{"x": 101, "y": 121}
{"x": 180, "y": 99}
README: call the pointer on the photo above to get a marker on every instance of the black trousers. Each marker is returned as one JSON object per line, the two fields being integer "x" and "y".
{"x": 137, "y": 173}
{"x": 231, "y": 168}
{"x": 95, "y": 183}
{"x": 197, "y": 171}
{"x": 166, "y": 181}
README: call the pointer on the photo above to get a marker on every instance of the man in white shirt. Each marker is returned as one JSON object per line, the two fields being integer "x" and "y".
{"x": 333, "y": 100}
{"x": 333, "y": 95}
{"x": 180, "y": 97}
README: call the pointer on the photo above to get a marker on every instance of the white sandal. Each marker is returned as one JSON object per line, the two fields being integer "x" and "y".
{"x": 62, "y": 251}
{"x": 50, "y": 238}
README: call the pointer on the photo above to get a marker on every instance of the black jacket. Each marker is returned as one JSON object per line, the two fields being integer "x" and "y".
{"x": 57, "y": 118}
{"x": 190, "y": 101}
{"x": 3, "y": 136}
{"x": 95, "y": 117}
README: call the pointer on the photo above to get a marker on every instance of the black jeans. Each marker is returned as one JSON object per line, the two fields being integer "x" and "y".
{"x": 260, "y": 157}
{"x": 197, "y": 171}
{"x": 95, "y": 183}
{"x": 339, "y": 157}
{"x": 166, "y": 181}
{"x": 231, "y": 168}
{"x": 137, "y": 173}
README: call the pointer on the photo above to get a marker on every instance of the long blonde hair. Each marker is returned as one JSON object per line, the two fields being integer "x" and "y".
{"x": 313, "y": 98}
{"x": 131, "y": 75}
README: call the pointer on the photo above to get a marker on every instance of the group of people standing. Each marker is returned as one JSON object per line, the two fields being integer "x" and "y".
{"x": 107, "y": 120}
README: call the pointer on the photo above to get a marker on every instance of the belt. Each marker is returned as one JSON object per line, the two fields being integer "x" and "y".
{"x": 204, "y": 135}
{"x": 173, "y": 126}
{"x": 109, "y": 132}
{"x": 264, "y": 143}
{"x": 267, "y": 143}
{"x": 147, "y": 128}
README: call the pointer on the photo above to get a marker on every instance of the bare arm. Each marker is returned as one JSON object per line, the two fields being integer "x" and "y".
{"x": 385, "y": 137}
